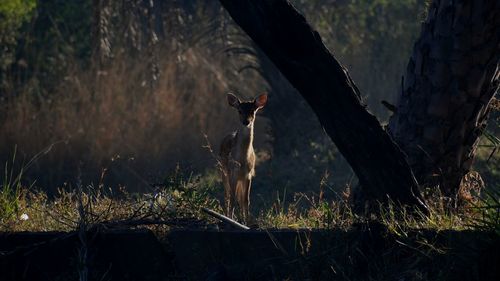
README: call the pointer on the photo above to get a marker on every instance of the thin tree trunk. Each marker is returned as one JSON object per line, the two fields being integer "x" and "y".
{"x": 450, "y": 80}
{"x": 299, "y": 53}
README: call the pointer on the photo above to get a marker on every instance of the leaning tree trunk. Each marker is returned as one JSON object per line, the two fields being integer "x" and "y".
{"x": 299, "y": 53}
{"x": 450, "y": 80}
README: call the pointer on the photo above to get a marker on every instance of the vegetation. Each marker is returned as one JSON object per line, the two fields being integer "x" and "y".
{"x": 111, "y": 113}
{"x": 13, "y": 14}
{"x": 179, "y": 200}
{"x": 105, "y": 121}
{"x": 52, "y": 82}
{"x": 148, "y": 107}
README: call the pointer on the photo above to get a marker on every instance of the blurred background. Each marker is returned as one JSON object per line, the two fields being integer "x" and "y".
{"x": 131, "y": 94}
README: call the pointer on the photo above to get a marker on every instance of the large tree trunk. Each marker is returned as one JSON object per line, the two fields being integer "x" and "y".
{"x": 450, "y": 80}
{"x": 299, "y": 53}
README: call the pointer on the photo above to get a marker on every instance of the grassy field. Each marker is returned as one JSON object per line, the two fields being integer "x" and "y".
{"x": 27, "y": 209}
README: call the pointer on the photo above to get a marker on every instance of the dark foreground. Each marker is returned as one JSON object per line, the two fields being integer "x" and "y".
{"x": 362, "y": 253}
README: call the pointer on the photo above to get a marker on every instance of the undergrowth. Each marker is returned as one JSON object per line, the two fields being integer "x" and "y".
{"x": 179, "y": 199}
{"x": 178, "y": 202}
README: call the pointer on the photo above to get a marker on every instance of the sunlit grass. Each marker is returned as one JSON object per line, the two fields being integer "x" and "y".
{"x": 307, "y": 212}
{"x": 182, "y": 196}
{"x": 10, "y": 190}
{"x": 31, "y": 210}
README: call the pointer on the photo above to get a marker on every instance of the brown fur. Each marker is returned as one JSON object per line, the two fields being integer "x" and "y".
{"x": 238, "y": 157}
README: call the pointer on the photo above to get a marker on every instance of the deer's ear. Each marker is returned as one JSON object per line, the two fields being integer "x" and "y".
{"x": 232, "y": 100}
{"x": 261, "y": 101}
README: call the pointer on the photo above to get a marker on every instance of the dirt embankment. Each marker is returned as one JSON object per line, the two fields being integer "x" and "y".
{"x": 362, "y": 253}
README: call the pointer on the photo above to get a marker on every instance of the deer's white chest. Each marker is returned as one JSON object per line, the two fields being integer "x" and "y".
{"x": 243, "y": 153}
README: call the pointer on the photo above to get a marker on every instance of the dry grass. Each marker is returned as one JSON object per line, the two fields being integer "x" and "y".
{"x": 35, "y": 211}
{"x": 183, "y": 199}
{"x": 117, "y": 122}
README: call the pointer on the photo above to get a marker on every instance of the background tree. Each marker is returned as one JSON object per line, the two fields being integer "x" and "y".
{"x": 451, "y": 79}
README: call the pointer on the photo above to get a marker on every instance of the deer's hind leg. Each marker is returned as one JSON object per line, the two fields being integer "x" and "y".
{"x": 228, "y": 194}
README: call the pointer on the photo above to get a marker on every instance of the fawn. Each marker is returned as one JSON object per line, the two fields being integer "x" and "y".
{"x": 237, "y": 156}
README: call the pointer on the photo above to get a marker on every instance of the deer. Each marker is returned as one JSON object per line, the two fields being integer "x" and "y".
{"x": 237, "y": 156}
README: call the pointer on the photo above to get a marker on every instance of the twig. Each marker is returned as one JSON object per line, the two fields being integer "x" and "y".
{"x": 225, "y": 219}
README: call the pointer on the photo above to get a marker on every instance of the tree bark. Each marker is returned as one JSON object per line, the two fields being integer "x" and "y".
{"x": 450, "y": 80}
{"x": 299, "y": 53}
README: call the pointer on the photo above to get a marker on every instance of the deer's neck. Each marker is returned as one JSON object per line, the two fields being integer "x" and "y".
{"x": 245, "y": 138}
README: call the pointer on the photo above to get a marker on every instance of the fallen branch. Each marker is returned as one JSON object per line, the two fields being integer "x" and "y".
{"x": 225, "y": 219}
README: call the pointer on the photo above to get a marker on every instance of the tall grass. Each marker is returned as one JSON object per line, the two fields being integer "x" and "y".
{"x": 489, "y": 212}
{"x": 112, "y": 122}
{"x": 10, "y": 191}
{"x": 183, "y": 199}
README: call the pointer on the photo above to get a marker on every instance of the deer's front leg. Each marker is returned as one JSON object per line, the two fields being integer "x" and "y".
{"x": 231, "y": 192}
{"x": 244, "y": 199}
